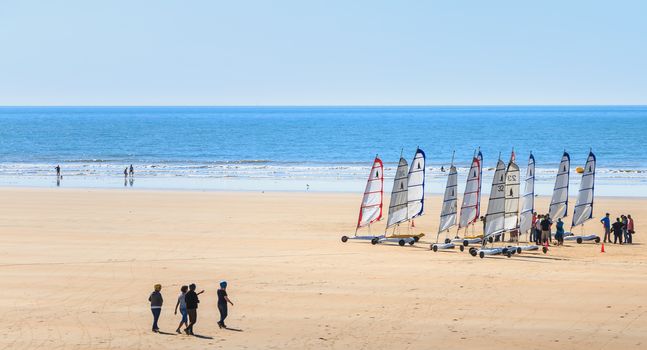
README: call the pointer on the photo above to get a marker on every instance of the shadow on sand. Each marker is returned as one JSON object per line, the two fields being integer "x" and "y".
{"x": 233, "y": 329}
{"x": 202, "y": 336}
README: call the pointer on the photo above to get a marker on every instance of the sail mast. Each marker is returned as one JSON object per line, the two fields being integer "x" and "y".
{"x": 371, "y": 207}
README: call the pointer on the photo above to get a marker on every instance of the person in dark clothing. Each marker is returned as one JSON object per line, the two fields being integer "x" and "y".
{"x": 58, "y": 171}
{"x": 223, "y": 299}
{"x": 131, "y": 171}
{"x": 156, "y": 305}
{"x": 545, "y": 230}
{"x": 192, "y": 301}
{"x": 617, "y": 231}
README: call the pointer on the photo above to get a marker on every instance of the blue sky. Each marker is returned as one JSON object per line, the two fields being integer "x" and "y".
{"x": 322, "y": 52}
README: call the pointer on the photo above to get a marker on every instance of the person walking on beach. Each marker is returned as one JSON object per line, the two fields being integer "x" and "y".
{"x": 559, "y": 233}
{"x": 156, "y": 301}
{"x": 630, "y": 229}
{"x": 58, "y": 171}
{"x": 617, "y": 231}
{"x": 192, "y": 301}
{"x": 181, "y": 303}
{"x": 223, "y": 299}
{"x": 131, "y": 171}
{"x": 606, "y": 223}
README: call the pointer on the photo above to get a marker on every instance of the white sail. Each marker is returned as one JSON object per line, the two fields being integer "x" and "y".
{"x": 511, "y": 196}
{"x": 559, "y": 202}
{"x": 371, "y": 208}
{"x": 584, "y": 206}
{"x": 479, "y": 155}
{"x": 528, "y": 199}
{"x": 494, "y": 219}
{"x": 398, "y": 203}
{"x": 450, "y": 201}
{"x": 472, "y": 195}
{"x": 416, "y": 185}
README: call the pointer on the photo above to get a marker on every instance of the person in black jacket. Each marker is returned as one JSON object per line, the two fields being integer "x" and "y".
{"x": 223, "y": 299}
{"x": 617, "y": 231}
{"x": 192, "y": 301}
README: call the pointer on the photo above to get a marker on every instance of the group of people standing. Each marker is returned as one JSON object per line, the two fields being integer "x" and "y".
{"x": 541, "y": 232}
{"x": 623, "y": 229}
{"x": 187, "y": 303}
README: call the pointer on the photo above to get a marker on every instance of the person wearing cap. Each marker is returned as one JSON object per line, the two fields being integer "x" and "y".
{"x": 606, "y": 222}
{"x": 223, "y": 299}
{"x": 156, "y": 301}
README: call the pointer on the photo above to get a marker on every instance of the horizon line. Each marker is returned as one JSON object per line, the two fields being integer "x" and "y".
{"x": 325, "y": 106}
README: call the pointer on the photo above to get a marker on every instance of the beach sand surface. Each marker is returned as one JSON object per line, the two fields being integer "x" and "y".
{"x": 77, "y": 266}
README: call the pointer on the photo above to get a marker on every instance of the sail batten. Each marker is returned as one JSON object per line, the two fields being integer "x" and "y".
{"x": 559, "y": 201}
{"x": 450, "y": 201}
{"x": 583, "y": 209}
{"x": 470, "y": 207}
{"x": 371, "y": 208}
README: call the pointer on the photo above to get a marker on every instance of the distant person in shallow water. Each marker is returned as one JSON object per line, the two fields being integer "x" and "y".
{"x": 617, "y": 231}
{"x": 126, "y": 173}
{"x": 223, "y": 299}
{"x": 156, "y": 305}
{"x": 58, "y": 171}
{"x": 606, "y": 223}
{"x": 181, "y": 303}
{"x": 131, "y": 171}
{"x": 559, "y": 233}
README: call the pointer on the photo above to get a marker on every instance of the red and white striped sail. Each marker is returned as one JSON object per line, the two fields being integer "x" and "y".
{"x": 472, "y": 196}
{"x": 371, "y": 208}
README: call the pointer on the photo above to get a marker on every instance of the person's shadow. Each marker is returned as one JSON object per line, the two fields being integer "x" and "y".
{"x": 233, "y": 329}
{"x": 202, "y": 336}
{"x": 165, "y": 333}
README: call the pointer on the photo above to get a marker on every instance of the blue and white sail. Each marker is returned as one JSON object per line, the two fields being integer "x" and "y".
{"x": 450, "y": 201}
{"x": 398, "y": 203}
{"x": 470, "y": 207}
{"x": 495, "y": 216}
{"x": 583, "y": 210}
{"x": 559, "y": 202}
{"x": 528, "y": 199}
{"x": 416, "y": 186}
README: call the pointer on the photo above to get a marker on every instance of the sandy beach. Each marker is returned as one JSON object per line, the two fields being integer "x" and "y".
{"x": 77, "y": 266}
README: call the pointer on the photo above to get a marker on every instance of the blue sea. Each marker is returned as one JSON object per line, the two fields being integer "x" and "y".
{"x": 315, "y": 148}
